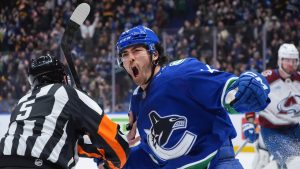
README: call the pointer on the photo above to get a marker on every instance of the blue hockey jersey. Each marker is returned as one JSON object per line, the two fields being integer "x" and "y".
{"x": 180, "y": 116}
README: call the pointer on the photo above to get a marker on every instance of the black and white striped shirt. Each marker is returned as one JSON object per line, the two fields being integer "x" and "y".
{"x": 48, "y": 121}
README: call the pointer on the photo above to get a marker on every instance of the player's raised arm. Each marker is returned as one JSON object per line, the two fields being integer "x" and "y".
{"x": 247, "y": 93}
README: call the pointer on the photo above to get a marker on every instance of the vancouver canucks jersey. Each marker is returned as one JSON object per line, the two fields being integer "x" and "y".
{"x": 180, "y": 116}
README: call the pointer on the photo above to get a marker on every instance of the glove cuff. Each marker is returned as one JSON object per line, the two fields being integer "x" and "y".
{"x": 248, "y": 126}
{"x": 250, "y": 115}
{"x": 226, "y": 89}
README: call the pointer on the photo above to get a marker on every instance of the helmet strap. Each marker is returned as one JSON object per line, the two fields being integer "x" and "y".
{"x": 152, "y": 72}
{"x": 154, "y": 64}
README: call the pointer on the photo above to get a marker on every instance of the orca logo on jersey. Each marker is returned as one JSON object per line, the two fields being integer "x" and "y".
{"x": 160, "y": 132}
{"x": 290, "y": 105}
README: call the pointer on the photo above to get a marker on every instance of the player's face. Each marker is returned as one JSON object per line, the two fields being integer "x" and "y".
{"x": 289, "y": 65}
{"x": 136, "y": 61}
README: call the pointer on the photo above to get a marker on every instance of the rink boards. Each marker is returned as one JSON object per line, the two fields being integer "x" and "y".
{"x": 122, "y": 119}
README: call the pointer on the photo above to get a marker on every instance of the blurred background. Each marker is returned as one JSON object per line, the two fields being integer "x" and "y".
{"x": 231, "y": 35}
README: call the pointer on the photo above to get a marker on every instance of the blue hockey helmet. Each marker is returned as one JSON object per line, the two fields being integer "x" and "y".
{"x": 135, "y": 36}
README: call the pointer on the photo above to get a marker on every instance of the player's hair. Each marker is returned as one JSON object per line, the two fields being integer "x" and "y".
{"x": 162, "y": 59}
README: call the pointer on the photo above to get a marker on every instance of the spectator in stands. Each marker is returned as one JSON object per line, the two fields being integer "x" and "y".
{"x": 39, "y": 24}
{"x": 87, "y": 34}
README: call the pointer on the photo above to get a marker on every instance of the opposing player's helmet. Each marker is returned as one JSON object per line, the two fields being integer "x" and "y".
{"x": 46, "y": 69}
{"x": 288, "y": 51}
{"x": 134, "y": 36}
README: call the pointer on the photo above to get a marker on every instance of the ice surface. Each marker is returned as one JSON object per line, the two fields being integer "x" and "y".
{"x": 245, "y": 158}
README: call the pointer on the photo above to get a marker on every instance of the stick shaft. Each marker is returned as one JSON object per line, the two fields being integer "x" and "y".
{"x": 241, "y": 147}
{"x": 67, "y": 39}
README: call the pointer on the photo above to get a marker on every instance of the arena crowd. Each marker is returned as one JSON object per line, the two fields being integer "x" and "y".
{"x": 30, "y": 28}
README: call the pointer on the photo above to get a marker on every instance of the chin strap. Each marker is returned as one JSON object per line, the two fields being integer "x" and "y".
{"x": 151, "y": 76}
{"x": 154, "y": 64}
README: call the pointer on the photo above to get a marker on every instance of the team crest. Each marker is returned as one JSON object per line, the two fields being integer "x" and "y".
{"x": 290, "y": 105}
{"x": 160, "y": 132}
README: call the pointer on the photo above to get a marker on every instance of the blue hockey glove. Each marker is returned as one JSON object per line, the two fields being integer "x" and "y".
{"x": 251, "y": 95}
{"x": 249, "y": 132}
{"x": 98, "y": 161}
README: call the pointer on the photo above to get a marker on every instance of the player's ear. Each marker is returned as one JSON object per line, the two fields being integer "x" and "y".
{"x": 155, "y": 55}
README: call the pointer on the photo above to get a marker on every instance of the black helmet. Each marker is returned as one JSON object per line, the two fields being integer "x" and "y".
{"x": 46, "y": 69}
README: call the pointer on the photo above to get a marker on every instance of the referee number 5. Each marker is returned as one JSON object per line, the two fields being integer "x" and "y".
{"x": 27, "y": 107}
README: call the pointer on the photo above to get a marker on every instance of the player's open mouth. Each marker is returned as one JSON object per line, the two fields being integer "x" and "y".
{"x": 135, "y": 71}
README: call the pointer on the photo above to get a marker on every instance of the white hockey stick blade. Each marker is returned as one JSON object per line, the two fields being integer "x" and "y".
{"x": 80, "y": 13}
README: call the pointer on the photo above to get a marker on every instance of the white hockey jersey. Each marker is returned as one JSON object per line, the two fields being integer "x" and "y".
{"x": 284, "y": 109}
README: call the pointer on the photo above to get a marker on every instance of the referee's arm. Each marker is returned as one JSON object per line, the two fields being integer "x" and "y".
{"x": 104, "y": 134}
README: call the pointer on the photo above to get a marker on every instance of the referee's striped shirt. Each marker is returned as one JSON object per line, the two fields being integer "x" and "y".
{"x": 48, "y": 121}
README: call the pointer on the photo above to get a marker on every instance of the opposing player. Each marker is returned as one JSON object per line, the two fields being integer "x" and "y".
{"x": 48, "y": 121}
{"x": 279, "y": 122}
{"x": 181, "y": 109}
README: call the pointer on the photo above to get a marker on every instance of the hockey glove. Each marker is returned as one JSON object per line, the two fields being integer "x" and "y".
{"x": 252, "y": 91}
{"x": 249, "y": 132}
{"x": 99, "y": 161}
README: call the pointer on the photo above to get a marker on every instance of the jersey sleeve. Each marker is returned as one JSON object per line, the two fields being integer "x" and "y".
{"x": 108, "y": 141}
{"x": 208, "y": 85}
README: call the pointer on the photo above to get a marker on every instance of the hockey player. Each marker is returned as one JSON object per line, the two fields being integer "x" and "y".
{"x": 279, "y": 122}
{"x": 48, "y": 121}
{"x": 181, "y": 110}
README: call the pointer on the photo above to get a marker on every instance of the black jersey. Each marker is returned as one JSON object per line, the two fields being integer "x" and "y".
{"x": 48, "y": 121}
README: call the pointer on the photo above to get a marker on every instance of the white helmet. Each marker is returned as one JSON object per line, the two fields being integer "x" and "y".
{"x": 289, "y": 51}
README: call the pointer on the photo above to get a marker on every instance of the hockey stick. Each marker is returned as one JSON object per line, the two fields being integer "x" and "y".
{"x": 241, "y": 147}
{"x": 77, "y": 18}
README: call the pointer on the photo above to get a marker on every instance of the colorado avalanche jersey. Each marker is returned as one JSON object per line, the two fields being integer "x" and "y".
{"x": 284, "y": 109}
{"x": 180, "y": 116}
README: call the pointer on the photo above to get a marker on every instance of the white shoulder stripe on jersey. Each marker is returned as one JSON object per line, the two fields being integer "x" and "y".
{"x": 24, "y": 98}
{"x": 61, "y": 98}
{"x": 43, "y": 92}
{"x": 89, "y": 102}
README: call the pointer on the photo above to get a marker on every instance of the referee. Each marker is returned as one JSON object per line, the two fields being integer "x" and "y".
{"x": 48, "y": 121}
